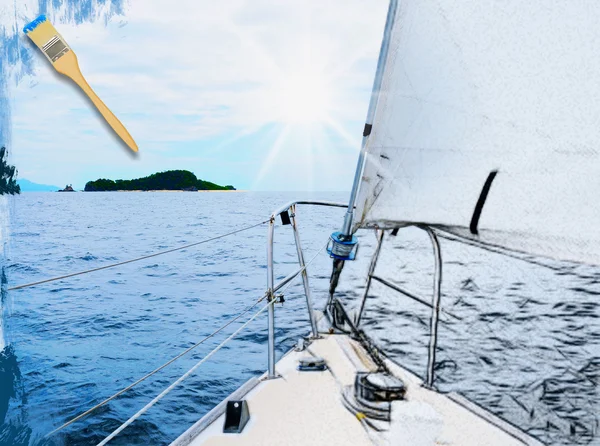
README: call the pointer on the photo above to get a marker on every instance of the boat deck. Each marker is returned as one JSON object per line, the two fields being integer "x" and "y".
{"x": 305, "y": 408}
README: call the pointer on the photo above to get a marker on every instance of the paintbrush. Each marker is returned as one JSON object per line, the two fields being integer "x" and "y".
{"x": 56, "y": 50}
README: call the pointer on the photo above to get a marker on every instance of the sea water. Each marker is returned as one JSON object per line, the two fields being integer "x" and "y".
{"x": 527, "y": 345}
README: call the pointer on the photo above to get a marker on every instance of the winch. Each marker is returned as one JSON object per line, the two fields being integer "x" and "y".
{"x": 378, "y": 387}
{"x": 373, "y": 393}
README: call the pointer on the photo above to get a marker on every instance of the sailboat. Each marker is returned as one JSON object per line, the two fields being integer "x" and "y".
{"x": 480, "y": 129}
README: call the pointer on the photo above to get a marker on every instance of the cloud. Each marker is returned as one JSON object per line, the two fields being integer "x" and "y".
{"x": 184, "y": 79}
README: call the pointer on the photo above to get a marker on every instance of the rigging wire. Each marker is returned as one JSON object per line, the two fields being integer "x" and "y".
{"x": 495, "y": 249}
{"x": 199, "y": 363}
{"x": 148, "y": 375}
{"x": 179, "y": 248}
{"x": 156, "y": 399}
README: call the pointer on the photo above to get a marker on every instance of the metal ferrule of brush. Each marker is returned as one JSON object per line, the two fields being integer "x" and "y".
{"x": 55, "y": 48}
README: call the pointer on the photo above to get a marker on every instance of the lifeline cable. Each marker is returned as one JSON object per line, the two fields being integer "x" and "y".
{"x": 156, "y": 399}
{"x": 27, "y": 285}
{"x": 497, "y": 249}
{"x": 198, "y": 364}
{"x": 148, "y": 375}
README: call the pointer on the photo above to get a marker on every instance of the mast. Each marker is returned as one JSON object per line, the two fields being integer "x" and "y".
{"x": 343, "y": 243}
{"x": 381, "y": 62}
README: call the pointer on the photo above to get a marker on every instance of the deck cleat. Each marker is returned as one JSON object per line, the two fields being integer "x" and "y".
{"x": 300, "y": 345}
{"x": 312, "y": 364}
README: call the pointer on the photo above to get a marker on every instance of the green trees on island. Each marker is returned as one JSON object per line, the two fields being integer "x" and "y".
{"x": 8, "y": 181}
{"x": 169, "y": 180}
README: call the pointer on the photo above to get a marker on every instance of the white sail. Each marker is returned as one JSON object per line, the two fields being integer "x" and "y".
{"x": 475, "y": 86}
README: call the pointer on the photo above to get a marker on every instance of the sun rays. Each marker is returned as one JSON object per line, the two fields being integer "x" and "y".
{"x": 308, "y": 106}
{"x": 306, "y": 96}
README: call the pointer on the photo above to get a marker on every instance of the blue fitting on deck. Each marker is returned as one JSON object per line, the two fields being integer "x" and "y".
{"x": 340, "y": 248}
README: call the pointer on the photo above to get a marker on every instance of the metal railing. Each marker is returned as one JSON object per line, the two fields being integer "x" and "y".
{"x": 272, "y": 288}
{"x": 290, "y": 210}
{"x": 435, "y": 305}
{"x": 288, "y": 214}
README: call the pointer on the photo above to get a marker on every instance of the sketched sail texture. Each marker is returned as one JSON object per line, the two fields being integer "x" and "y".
{"x": 476, "y": 87}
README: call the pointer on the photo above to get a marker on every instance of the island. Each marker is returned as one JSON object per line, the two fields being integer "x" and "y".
{"x": 182, "y": 180}
{"x": 30, "y": 186}
{"x": 8, "y": 174}
{"x": 68, "y": 188}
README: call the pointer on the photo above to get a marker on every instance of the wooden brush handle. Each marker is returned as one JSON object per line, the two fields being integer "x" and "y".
{"x": 67, "y": 65}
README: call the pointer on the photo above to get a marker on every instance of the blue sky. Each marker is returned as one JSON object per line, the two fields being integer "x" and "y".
{"x": 261, "y": 94}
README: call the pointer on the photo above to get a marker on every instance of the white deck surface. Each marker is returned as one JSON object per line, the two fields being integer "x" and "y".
{"x": 305, "y": 408}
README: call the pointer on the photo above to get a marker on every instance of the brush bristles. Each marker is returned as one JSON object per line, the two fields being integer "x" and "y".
{"x": 34, "y": 24}
{"x": 41, "y": 31}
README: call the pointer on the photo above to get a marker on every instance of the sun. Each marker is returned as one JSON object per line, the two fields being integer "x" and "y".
{"x": 306, "y": 104}
{"x": 302, "y": 98}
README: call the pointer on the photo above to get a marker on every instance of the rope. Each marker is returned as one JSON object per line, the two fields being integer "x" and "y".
{"x": 27, "y": 285}
{"x": 199, "y": 363}
{"x": 148, "y": 375}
